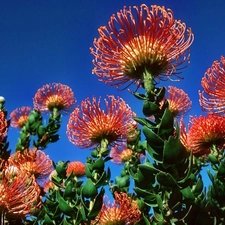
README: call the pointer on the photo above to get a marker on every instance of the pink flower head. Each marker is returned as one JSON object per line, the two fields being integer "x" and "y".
{"x": 137, "y": 39}
{"x": 54, "y": 96}
{"x": 89, "y": 124}
{"x": 20, "y": 116}
{"x": 212, "y": 98}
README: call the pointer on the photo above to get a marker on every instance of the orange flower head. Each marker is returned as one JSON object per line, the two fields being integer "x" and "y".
{"x": 89, "y": 124}
{"x": 20, "y": 195}
{"x": 212, "y": 98}
{"x": 120, "y": 154}
{"x": 77, "y": 168}
{"x": 33, "y": 161}
{"x": 3, "y": 126}
{"x": 205, "y": 132}
{"x": 179, "y": 101}
{"x": 140, "y": 39}
{"x": 19, "y": 116}
{"x": 54, "y": 96}
{"x": 124, "y": 211}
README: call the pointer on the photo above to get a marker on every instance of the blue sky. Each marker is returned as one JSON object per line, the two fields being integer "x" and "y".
{"x": 47, "y": 41}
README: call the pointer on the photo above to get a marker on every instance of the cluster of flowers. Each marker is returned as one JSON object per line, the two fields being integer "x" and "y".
{"x": 138, "y": 48}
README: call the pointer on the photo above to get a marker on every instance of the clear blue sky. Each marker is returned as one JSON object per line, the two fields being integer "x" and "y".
{"x": 45, "y": 41}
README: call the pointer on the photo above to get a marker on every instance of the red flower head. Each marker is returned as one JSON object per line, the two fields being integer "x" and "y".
{"x": 19, "y": 194}
{"x": 206, "y": 132}
{"x": 33, "y": 161}
{"x": 120, "y": 154}
{"x": 140, "y": 39}
{"x": 3, "y": 126}
{"x": 124, "y": 211}
{"x": 20, "y": 116}
{"x": 212, "y": 98}
{"x": 77, "y": 168}
{"x": 89, "y": 124}
{"x": 54, "y": 96}
{"x": 179, "y": 101}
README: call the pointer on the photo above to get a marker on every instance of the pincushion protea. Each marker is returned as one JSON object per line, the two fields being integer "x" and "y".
{"x": 204, "y": 133}
{"x": 89, "y": 124}
{"x": 139, "y": 40}
{"x": 123, "y": 211}
{"x": 212, "y": 98}
{"x": 54, "y": 96}
{"x": 19, "y": 116}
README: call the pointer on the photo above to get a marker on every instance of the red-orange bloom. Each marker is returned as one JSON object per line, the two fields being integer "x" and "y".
{"x": 179, "y": 101}
{"x": 54, "y": 96}
{"x": 89, "y": 124}
{"x": 77, "y": 168}
{"x": 3, "y": 126}
{"x": 20, "y": 194}
{"x": 212, "y": 98}
{"x": 124, "y": 211}
{"x": 139, "y": 39}
{"x": 20, "y": 116}
{"x": 33, "y": 161}
{"x": 205, "y": 132}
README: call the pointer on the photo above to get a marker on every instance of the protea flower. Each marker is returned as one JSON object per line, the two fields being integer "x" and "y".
{"x": 120, "y": 154}
{"x": 204, "y": 133}
{"x": 138, "y": 41}
{"x": 20, "y": 116}
{"x": 212, "y": 98}
{"x": 89, "y": 124}
{"x": 77, "y": 168}
{"x": 179, "y": 101}
{"x": 19, "y": 194}
{"x": 3, "y": 126}
{"x": 54, "y": 97}
{"x": 122, "y": 212}
{"x": 33, "y": 161}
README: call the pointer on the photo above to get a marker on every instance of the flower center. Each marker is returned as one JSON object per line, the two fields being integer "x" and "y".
{"x": 55, "y": 101}
{"x": 142, "y": 54}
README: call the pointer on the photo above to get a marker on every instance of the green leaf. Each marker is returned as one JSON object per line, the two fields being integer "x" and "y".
{"x": 187, "y": 193}
{"x": 99, "y": 165}
{"x": 123, "y": 181}
{"x": 174, "y": 152}
{"x": 166, "y": 126}
{"x": 150, "y": 108}
{"x": 63, "y": 205}
{"x": 144, "y": 122}
{"x": 221, "y": 171}
{"x": 198, "y": 186}
{"x": 48, "y": 220}
{"x": 97, "y": 205}
{"x": 89, "y": 190}
{"x": 166, "y": 180}
{"x": 153, "y": 139}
